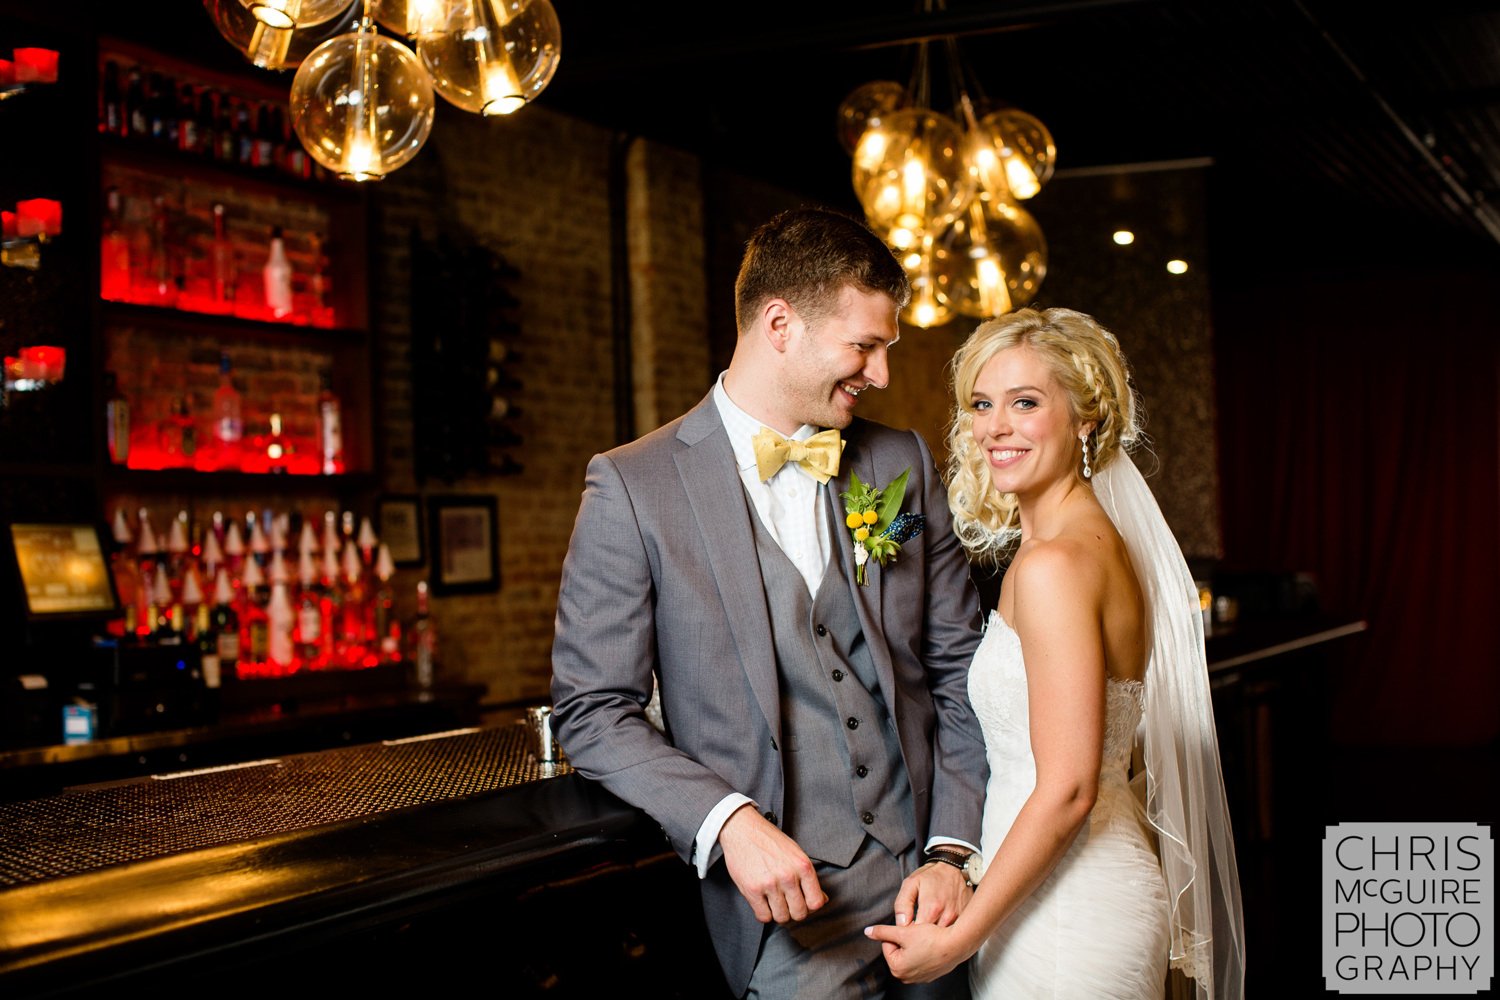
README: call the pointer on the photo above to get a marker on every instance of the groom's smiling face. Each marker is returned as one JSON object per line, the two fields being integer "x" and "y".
{"x": 832, "y": 360}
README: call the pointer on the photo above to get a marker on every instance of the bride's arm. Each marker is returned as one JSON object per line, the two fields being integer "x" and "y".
{"x": 1057, "y": 614}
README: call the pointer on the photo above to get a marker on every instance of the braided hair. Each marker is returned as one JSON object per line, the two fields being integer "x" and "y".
{"x": 1085, "y": 360}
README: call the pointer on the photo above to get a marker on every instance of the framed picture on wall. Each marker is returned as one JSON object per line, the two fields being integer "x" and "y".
{"x": 465, "y": 543}
{"x": 399, "y": 519}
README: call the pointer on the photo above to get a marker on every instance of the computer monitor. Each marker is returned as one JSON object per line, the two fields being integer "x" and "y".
{"x": 64, "y": 571}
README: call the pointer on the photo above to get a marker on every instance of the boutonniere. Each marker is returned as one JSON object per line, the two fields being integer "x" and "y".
{"x": 874, "y": 516}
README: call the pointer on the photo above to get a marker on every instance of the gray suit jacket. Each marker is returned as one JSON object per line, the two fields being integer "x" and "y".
{"x": 661, "y": 575}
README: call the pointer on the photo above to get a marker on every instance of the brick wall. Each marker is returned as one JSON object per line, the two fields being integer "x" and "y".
{"x": 537, "y": 189}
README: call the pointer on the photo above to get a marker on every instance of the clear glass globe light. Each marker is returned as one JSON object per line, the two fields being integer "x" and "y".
{"x": 991, "y": 260}
{"x": 928, "y": 306}
{"x": 909, "y": 173}
{"x": 493, "y": 56}
{"x": 1022, "y": 148}
{"x": 295, "y": 13}
{"x": 866, "y": 106}
{"x": 274, "y": 48}
{"x": 362, "y": 104}
{"x": 412, "y": 17}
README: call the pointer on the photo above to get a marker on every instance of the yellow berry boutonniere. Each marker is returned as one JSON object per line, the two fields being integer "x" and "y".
{"x": 873, "y": 515}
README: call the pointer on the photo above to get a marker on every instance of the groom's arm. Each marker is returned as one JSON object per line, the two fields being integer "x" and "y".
{"x": 950, "y": 636}
{"x": 603, "y": 654}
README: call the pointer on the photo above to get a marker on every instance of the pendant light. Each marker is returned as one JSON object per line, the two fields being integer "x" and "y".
{"x": 493, "y": 56}
{"x": 362, "y": 104}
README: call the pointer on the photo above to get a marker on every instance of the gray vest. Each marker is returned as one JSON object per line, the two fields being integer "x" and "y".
{"x": 841, "y": 759}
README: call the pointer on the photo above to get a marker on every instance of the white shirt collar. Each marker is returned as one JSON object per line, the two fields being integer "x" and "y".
{"x": 742, "y": 427}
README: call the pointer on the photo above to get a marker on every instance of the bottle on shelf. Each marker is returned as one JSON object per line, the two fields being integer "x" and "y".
{"x": 116, "y": 420}
{"x": 320, "y": 311}
{"x": 111, "y": 100}
{"x": 188, "y": 136}
{"x": 424, "y": 640}
{"x": 330, "y": 427}
{"x": 177, "y": 436}
{"x": 161, "y": 115}
{"x": 387, "y": 626}
{"x": 206, "y": 638}
{"x": 137, "y": 121}
{"x": 223, "y": 275}
{"x": 278, "y": 451}
{"x": 226, "y": 624}
{"x": 280, "y": 620}
{"x": 161, "y": 286}
{"x": 229, "y": 422}
{"x": 278, "y": 277}
{"x": 114, "y": 250}
{"x": 208, "y": 123}
{"x": 311, "y": 638}
{"x": 255, "y": 626}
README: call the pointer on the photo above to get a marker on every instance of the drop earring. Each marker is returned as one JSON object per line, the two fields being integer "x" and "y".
{"x": 1087, "y": 472}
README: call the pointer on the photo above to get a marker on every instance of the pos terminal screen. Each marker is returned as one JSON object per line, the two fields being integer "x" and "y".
{"x": 64, "y": 571}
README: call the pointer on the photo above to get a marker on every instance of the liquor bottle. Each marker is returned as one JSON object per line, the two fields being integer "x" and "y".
{"x": 317, "y": 284}
{"x": 356, "y": 622}
{"x": 311, "y": 639}
{"x": 330, "y": 428}
{"x": 207, "y": 123}
{"x": 161, "y": 110}
{"x": 221, "y": 261}
{"x": 263, "y": 154}
{"x": 224, "y": 117}
{"x": 116, "y": 420}
{"x": 206, "y": 638}
{"x": 331, "y": 601}
{"x": 229, "y": 424}
{"x": 111, "y": 101}
{"x": 255, "y": 626}
{"x": 127, "y": 579}
{"x": 244, "y": 133}
{"x": 226, "y": 625}
{"x": 280, "y": 619}
{"x": 424, "y": 640}
{"x": 387, "y": 626}
{"x": 278, "y": 277}
{"x": 278, "y": 452}
{"x": 176, "y": 435}
{"x": 162, "y": 287}
{"x": 136, "y": 111}
{"x": 188, "y": 134}
{"x": 114, "y": 250}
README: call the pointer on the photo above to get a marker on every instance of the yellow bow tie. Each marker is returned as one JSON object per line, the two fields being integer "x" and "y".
{"x": 818, "y": 455}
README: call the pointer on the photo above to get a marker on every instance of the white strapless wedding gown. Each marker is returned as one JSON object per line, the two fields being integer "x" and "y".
{"x": 1097, "y": 927}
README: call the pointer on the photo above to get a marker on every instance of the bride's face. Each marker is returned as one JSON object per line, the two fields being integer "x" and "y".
{"x": 1023, "y": 423}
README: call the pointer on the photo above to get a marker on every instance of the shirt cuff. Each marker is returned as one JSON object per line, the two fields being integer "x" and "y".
{"x": 953, "y": 841}
{"x": 704, "y": 853}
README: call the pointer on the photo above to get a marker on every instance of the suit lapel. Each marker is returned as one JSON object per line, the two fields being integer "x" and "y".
{"x": 711, "y": 481}
{"x": 867, "y": 598}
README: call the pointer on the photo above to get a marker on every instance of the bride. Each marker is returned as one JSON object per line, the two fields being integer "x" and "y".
{"x": 1096, "y": 648}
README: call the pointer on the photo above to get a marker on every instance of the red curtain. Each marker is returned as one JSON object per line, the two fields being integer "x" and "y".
{"x": 1359, "y": 440}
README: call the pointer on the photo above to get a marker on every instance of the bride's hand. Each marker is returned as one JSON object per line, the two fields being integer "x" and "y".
{"x": 918, "y": 953}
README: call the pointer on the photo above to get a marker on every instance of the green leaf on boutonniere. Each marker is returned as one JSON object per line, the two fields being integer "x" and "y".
{"x": 869, "y": 511}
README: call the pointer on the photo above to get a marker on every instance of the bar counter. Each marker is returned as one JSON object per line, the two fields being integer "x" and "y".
{"x": 406, "y": 863}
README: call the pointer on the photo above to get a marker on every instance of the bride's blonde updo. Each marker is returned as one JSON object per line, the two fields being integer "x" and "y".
{"x": 1085, "y": 360}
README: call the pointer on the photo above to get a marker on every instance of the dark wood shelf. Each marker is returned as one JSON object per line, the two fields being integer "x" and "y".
{"x": 193, "y": 481}
{"x": 185, "y": 321}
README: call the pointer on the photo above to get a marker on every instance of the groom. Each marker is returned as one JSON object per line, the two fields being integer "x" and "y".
{"x": 818, "y": 737}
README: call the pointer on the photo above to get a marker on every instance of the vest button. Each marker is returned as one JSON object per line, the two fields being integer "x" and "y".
{"x": 867, "y": 817}
{"x": 771, "y": 816}
{"x": 853, "y": 723}
{"x": 861, "y": 770}
{"x": 838, "y": 675}
{"x": 821, "y": 631}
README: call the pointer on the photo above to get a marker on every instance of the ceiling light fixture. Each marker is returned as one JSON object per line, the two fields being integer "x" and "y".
{"x": 944, "y": 189}
{"x": 362, "y": 103}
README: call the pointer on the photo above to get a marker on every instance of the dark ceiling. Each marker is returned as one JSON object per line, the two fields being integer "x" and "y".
{"x": 1318, "y": 97}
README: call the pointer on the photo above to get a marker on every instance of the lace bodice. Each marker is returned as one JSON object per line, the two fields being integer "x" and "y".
{"x": 997, "y": 689}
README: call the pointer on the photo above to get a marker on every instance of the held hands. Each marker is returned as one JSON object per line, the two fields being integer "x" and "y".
{"x": 773, "y": 874}
{"x": 921, "y": 950}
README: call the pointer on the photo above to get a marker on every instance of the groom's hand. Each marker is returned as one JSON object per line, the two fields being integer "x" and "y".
{"x": 933, "y": 894}
{"x": 773, "y": 874}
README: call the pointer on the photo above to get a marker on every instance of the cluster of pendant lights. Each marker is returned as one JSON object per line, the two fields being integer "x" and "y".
{"x": 945, "y": 192}
{"x": 362, "y": 102}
